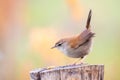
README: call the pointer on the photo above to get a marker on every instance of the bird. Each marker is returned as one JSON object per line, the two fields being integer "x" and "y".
{"x": 77, "y": 46}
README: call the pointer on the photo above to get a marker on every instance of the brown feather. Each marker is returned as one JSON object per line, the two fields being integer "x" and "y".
{"x": 73, "y": 42}
{"x": 89, "y": 19}
{"x": 80, "y": 40}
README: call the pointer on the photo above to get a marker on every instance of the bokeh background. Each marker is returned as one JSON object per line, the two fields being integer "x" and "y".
{"x": 29, "y": 28}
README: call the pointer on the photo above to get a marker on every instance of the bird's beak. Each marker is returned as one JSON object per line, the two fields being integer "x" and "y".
{"x": 53, "y": 47}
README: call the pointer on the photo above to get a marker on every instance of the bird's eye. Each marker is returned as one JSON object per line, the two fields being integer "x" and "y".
{"x": 59, "y": 44}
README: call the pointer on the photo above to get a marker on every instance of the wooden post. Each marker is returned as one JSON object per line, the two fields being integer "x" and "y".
{"x": 69, "y": 72}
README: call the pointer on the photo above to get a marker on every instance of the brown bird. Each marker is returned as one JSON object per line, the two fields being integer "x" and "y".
{"x": 77, "y": 46}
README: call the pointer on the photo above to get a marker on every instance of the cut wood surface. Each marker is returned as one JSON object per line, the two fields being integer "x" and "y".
{"x": 69, "y": 72}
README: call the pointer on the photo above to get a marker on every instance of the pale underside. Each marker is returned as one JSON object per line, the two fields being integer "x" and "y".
{"x": 79, "y": 52}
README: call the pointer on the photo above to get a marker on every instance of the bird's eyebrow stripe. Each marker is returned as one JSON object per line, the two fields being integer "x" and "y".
{"x": 59, "y": 43}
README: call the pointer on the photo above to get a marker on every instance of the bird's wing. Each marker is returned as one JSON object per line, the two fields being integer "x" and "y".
{"x": 80, "y": 40}
{"x": 84, "y": 39}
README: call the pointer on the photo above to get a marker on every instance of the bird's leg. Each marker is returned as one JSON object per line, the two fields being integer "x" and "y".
{"x": 80, "y": 59}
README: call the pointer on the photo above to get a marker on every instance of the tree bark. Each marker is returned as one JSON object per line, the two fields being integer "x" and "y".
{"x": 69, "y": 72}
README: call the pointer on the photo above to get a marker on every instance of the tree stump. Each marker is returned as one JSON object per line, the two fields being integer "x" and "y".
{"x": 69, "y": 72}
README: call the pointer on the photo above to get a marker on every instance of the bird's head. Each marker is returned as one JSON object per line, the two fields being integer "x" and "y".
{"x": 61, "y": 45}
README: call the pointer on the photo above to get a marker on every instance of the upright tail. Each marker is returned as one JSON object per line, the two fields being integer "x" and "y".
{"x": 89, "y": 19}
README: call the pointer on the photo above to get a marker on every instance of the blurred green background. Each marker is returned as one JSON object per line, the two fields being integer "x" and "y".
{"x": 29, "y": 28}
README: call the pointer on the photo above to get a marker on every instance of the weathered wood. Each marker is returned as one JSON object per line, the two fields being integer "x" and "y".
{"x": 69, "y": 72}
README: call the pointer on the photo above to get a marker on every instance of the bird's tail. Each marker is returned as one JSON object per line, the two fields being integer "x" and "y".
{"x": 89, "y": 19}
